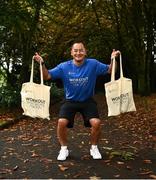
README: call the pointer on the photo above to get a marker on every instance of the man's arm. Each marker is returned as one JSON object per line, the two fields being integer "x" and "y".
{"x": 46, "y": 75}
{"x": 38, "y": 58}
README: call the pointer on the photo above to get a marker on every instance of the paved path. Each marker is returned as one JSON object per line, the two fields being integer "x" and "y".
{"x": 29, "y": 150}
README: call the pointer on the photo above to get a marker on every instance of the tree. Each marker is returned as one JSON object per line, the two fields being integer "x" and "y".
{"x": 50, "y": 27}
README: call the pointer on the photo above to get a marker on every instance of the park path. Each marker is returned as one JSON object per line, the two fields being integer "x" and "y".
{"x": 28, "y": 150}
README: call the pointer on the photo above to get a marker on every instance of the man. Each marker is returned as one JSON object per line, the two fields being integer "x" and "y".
{"x": 79, "y": 79}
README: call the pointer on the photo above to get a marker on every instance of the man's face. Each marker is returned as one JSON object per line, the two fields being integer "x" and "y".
{"x": 78, "y": 52}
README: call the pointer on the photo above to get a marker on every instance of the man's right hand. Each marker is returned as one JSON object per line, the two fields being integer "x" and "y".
{"x": 38, "y": 58}
{"x": 115, "y": 53}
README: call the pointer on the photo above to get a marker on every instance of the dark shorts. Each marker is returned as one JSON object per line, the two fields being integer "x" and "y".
{"x": 88, "y": 109}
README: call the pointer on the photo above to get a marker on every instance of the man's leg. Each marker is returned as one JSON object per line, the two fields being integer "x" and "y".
{"x": 62, "y": 131}
{"x": 95, "y": 135}
{"x": 62, "y": 137}
{"x": 95, "y": 130}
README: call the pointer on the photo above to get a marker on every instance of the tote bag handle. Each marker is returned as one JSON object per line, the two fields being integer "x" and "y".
{"x": 113, "y": 69}
{"x": 32, "y": 72}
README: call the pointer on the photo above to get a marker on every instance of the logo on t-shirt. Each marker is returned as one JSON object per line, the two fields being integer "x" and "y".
{"x": 70, "y": 72}
{"x": 78, "y": 81}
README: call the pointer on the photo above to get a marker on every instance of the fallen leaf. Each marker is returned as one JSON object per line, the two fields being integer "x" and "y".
{"x": 15, "y": 168}
{"x": 26, "y": 160}
{"x": 62, "y": 168}
{"x": 36, "y": 145}
{"x": 145, "y": 173}
{"x": 94, "y": 177}
{"x": 77, "y": 175}
{"x": 5, "y": 171}
{"x": 85, "y": 157}
{"x": 117, "y": 175}
{"x": 106, "y": 161}
{"x": 107, "y": 148}
{"x": 129, "y": 167}
{"x": 46, "y": 161}
{"x": 23, "y": 171}
{"x": 152, "y": 176}
{"x": 72, "y": 164}
{"x": 119, "y": 162}
{"x": 148, "y": 161}
{"x": 34, "y": 155}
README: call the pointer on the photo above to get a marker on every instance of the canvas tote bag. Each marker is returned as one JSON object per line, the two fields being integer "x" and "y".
{"x": 35, "y": 98}
{"x": 119, "y": 93}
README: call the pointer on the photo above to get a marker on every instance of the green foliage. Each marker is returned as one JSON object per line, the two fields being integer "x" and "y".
{"x": 9, "y": 97}
{"x": 2, "y": 122}
{"x": 124, "y": 155}
{"x": 51, "y": 26}
{"x": 56, "y": 93}
{"x": 2, "y": 78}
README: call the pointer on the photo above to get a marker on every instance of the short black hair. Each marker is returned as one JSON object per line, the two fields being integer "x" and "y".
{"x": 78, "y": 41}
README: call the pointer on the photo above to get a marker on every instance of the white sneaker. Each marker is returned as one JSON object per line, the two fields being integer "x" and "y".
{"x": 94, "y": 152}
{"x": 63, "y": 154}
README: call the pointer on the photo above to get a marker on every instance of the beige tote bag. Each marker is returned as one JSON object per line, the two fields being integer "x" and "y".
{"x": 35, "y": 98}
{"x": 119, "y": 93}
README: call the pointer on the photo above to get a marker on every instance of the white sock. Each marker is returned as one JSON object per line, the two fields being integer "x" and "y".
{"x": 94, "y": 146}
{"x": 64, "y": 147}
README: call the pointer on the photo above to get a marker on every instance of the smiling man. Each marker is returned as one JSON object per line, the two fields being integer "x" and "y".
{"x": 79, "y": 78}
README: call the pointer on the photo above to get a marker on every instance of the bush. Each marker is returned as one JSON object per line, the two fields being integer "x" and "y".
{"x": 56, "y": 93}
{"x": 9, "y": 97}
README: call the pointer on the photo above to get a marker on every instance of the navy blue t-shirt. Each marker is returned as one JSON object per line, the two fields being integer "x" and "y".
{"x": 79, "y": 81}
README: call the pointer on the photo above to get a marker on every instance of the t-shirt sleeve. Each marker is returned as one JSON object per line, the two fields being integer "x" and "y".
{"x": 56, "y": 73}
{"x": 102, "y": 69}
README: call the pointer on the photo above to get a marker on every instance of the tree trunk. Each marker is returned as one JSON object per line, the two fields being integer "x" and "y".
{"x": 27, "y": 39}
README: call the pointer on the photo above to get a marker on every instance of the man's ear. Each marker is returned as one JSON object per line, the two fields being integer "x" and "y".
{"x": 71, "y": 52}
{"x": 85, "y": 52}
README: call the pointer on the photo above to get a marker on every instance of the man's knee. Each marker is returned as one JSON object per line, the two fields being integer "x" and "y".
{"x": 62, "y": 122}
{"x": 95, "y": 122}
